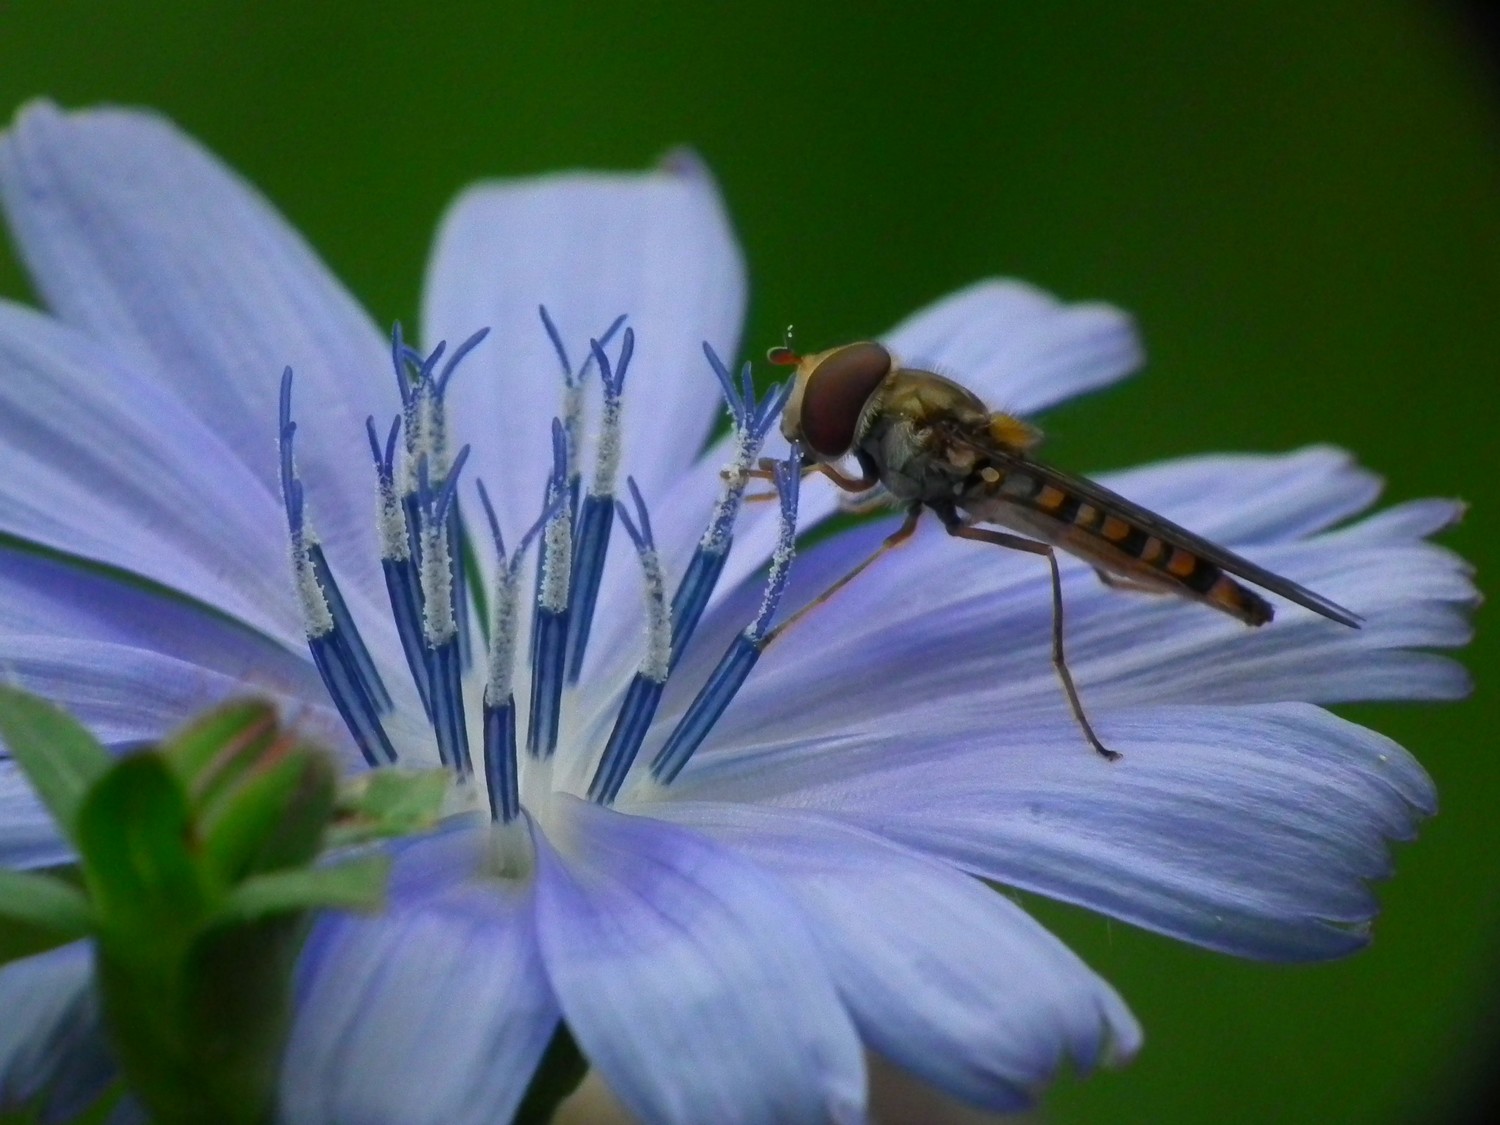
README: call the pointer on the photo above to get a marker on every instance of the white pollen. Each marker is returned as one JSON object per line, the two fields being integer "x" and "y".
{"x": 317, "y": 618}
{"x": 573, "y": 425}
{"x": 390, "y": 518}
{"x": 658, "y": 659}
{"x": 434, "y": 440}
{"x": 557, "y": 563}
{"x": 438, "y": 625}
{"x": 736, "y": 475}
{"x": 500, "y": 684}
{"x": 607, "y": 463}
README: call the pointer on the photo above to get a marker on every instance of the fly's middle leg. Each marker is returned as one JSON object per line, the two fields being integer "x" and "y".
{"x": 894, "y": 539}
{"x": 958, "y": 528}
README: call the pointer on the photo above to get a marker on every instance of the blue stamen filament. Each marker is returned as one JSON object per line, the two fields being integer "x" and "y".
{"x": 572, "y": 420}
{"x": 338, "y": 651}
{"x": 596, "y": 517}
{"x": 550, "y": 622}
{"x": 500, "y": 761}
{"x": 439, "y": 624}
{"x": 744, "y": 651}
{"x": 644, "y": 694}
{"x": 751, "y": 424}
{"x": 421, "y": 543}
{"x": 402, "y": 584}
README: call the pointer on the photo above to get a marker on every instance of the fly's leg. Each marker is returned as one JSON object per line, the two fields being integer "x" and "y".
{"x": 961, "y": 530}
{"x": 894, "y": 539}
{"x": 860, "y": 504}
{"x": 869, "y": 477}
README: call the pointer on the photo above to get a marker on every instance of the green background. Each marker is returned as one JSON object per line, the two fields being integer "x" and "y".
{"x": 1300, "y": 202}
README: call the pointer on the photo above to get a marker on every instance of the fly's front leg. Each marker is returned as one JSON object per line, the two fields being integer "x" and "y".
{"x": 956, "y": 527}
{"x": 869, "y": 476}
{"x": 863, "y": 503}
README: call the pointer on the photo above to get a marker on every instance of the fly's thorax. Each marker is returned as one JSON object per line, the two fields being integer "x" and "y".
{"x": 904, "y": 431}
{"x": 910, "y": 459}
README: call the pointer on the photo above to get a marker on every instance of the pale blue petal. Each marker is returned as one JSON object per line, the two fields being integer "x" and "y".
{"x": 1239, "y": 498}
{"x": 137, "y": 235}
{"x": 590, "y": 246}
{"x": 436, "y": 1012}
{"x": 1253, "y": 830}
{"x": 942, "y": 974}
{"x": 1018, "y": 347}
{"x": 52, "y": 1044}
{"x": 126, "y": 694}
{"x": 689, "y": 978}
{"x": 102, "y": 463}
{"x": 28, "y": 835}
{"x": 64, "y": 600}
{"x": 1415, "y": 519}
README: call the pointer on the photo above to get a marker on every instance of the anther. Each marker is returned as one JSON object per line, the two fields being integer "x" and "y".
{"x": 550, "y": 622}
{"x": 439, "y": 623}
{"x": 596, "y": 515}
{"x": 338, "y": 651}
{"x": 500, "y": 764}
{"x": 572, "y": 410}
{"x": 402, "y": 584}
{"x": 751, "y": 424}
{"x": 644, "y": 694}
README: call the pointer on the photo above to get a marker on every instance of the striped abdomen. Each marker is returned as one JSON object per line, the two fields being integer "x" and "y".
{"x": 1086, "y": 520}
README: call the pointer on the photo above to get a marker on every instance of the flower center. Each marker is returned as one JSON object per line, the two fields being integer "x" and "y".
{"x": 424, "y": 547}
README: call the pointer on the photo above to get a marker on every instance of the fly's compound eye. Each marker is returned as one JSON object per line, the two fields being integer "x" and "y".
{"x": 836, "y": 393}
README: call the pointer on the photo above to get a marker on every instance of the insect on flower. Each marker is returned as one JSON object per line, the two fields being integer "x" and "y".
{"x": 924, "y": 441}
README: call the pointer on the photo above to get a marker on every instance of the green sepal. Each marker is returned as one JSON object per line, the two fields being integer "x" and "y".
{"x": 210, "y": 752}
{"x": 356, "y": 884}
{"x": 274, "y": 818}
{"x": 135, "y": 835}
{"x": 46, "y": 903}
{"x": 58, "y": 757}
{"x": 388, "y": 803}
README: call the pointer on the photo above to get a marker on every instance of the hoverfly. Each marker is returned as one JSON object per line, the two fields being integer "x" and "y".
{"x": 933, "y": 444}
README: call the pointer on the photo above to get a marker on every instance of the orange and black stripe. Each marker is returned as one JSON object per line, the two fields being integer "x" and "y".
{"x": 1179, "y": 566}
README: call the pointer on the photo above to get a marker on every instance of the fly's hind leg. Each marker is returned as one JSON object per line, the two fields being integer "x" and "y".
{"x": 958, "y": 528}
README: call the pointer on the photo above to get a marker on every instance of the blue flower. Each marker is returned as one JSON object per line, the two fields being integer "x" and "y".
{"x": 723, "y": 923}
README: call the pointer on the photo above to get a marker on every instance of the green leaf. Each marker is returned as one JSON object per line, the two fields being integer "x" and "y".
{"x": 386, "y": 803}
{"x": 134, "y": 834}
{"x": 358, "y": 884}
{"x": 41, "y": 900}
{"x": 58, "y": 757}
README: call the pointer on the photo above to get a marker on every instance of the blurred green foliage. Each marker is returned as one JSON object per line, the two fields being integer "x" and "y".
{"x": 1299, "y": 200}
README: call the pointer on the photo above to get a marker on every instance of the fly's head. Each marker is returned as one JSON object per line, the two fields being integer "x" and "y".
{"x": 832, "y": 396}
